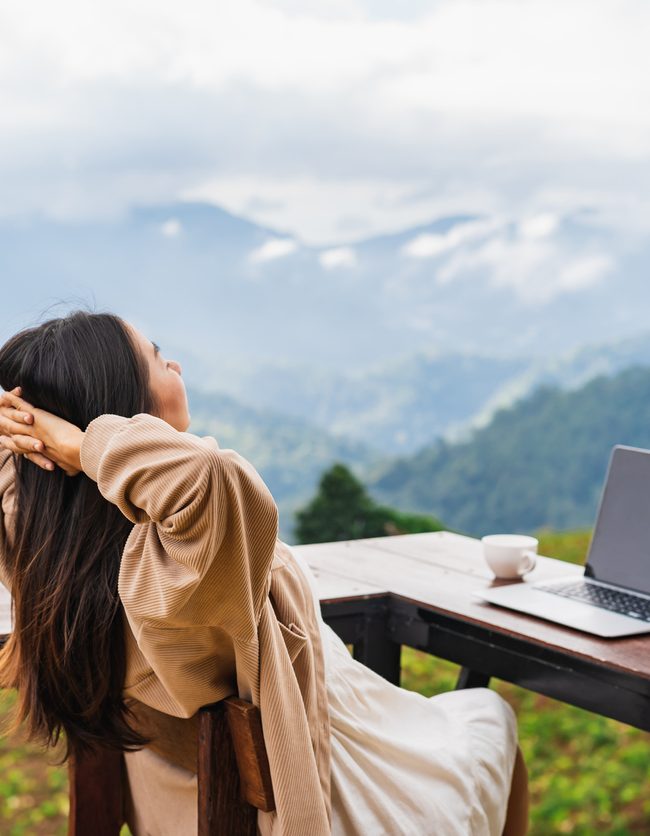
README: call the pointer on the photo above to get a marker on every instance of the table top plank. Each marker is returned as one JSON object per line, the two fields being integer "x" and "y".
{"x": 338, "y": 586}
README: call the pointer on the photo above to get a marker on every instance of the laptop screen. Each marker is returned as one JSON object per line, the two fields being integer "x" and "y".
{"x": 620, "y": 548}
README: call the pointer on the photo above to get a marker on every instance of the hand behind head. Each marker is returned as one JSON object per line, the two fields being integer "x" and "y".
{"x": 39, "y": 436}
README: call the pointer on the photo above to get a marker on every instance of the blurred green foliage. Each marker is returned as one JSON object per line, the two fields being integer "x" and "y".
{"x": 343, "y": 510}
{"x": 587, "y": 774}
{"x": 33, "y": 792}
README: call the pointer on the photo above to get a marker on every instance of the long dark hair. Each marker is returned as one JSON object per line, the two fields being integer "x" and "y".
{"x": 66, "y": 654}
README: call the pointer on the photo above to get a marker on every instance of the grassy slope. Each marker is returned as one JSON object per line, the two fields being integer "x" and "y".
{"x": 587, "y": 774}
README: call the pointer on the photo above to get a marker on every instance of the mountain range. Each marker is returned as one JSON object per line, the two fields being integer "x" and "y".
{"x": 538, "y": 464}
{"x": 405, "y": 405}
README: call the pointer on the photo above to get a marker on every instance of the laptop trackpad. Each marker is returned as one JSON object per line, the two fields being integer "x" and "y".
{"x": 524, "y": 598}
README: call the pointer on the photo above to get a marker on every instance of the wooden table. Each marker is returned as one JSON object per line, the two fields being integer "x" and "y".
{"x": 416, "y": 590}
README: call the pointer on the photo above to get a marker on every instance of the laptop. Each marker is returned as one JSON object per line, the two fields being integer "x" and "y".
{"x": 613, "y": 597}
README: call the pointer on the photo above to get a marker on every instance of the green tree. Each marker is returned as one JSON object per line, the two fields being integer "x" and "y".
{"x": 343, "y": 510}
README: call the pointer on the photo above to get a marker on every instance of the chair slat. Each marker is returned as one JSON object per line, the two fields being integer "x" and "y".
{"x": 96, "y": 796}
{"x": 222, "y": 811}
{"x": 245, "y": 722}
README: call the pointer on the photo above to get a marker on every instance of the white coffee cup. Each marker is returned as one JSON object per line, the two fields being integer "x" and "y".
{"x": 510, "y": 555}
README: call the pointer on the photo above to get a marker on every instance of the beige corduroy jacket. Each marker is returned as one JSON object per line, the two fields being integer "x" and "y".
{"x": 214, "y": 602}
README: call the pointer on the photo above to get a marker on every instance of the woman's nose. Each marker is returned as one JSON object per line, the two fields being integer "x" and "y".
{"x": 176, "y": 367}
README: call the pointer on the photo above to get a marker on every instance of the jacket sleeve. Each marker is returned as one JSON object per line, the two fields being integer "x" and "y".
{"x": 7, "y": 497}
{"x": 206, "y": 524}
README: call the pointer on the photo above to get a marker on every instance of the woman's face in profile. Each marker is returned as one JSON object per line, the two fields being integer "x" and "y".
{"x": 165, "y": 381}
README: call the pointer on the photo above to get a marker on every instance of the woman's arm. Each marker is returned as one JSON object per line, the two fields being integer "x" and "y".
{"x": 208, "y": 523}
{"x": 206, "y": 557}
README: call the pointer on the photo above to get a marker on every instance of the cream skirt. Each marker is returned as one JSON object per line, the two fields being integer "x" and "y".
{"x": 402, "y": 764}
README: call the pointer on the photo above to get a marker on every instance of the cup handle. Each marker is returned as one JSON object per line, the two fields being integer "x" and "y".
{"x": 529, "y": 565}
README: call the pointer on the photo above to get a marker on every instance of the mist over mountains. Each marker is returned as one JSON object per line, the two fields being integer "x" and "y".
{"x": 228, "y": 294}
{"x": 409, "y": 403}
{"x": 393, "y": 340}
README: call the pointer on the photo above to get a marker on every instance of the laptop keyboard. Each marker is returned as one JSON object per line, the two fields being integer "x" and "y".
{"x": 601, "y": 596}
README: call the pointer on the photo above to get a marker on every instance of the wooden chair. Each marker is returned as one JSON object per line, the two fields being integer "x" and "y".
{"x": 233, "y": 776}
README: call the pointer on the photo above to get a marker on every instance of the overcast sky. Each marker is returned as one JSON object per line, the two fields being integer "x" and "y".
{"x": 330, "y": 120}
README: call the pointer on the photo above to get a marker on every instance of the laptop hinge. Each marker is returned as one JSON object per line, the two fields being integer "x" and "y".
{"x": 589, "y": 572}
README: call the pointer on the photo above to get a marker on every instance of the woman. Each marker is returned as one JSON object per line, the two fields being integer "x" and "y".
{"x": 148, "y": 580}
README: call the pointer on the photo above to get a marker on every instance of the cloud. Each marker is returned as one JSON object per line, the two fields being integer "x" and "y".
{"x": 325, "y": 207}
{"x": 430, "y": 245}
{"x": 171, "y": 228}
{"x": 538, "y": 226}
{"x": 473, "y": 106}
{"x": 585, "y": 272}
{"x": 259, "y": 204}
{"x": 272, "y": 249}
{"x": 338, "y": 257}
{"x": 526, "y": 258}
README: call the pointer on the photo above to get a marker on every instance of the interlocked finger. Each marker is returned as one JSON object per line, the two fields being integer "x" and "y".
{"x": 16, "y": 411}
{"x": 14, "y": 414}
{"x": 14, "y": 400}
{"x": 42, "y": 461}
{"x": 26, "y": 444}
{"x": 7, "y": 443}
{"x": 10, "y": 424}
{"x": 20, "y": 446}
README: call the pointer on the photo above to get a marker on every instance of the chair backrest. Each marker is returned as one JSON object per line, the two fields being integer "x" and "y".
{"x": 244, "y": 727}
{"x": 233, "y": 777}
{"x": 96, "y": 795}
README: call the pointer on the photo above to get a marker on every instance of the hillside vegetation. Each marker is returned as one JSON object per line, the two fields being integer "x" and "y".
{"x": 539, "y": 464}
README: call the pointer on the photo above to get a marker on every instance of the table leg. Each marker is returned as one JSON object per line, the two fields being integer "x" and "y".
{"x": 365, "y": 625}
{"x": 467, "y": 678}
{"x": 374, "y": 649}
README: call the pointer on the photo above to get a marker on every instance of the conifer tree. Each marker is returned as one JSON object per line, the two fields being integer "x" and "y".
{"x": 343, "y": 510}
